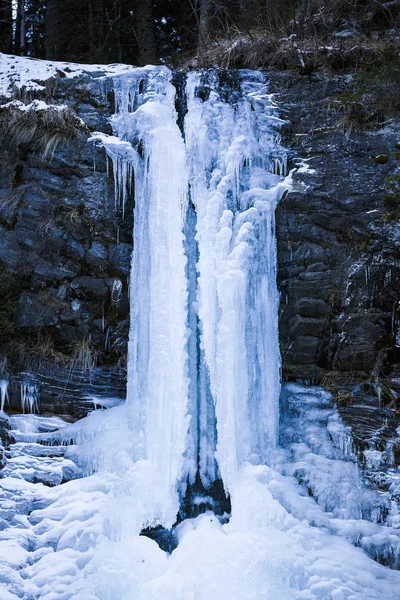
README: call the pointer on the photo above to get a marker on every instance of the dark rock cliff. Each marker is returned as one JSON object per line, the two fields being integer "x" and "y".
{"x": 64, "y": 261}
{"x": 338, "y": 236}
{"x": 339, "y": 249}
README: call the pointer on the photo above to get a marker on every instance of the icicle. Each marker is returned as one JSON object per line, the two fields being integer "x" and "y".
{"x": 367, "y": 271}
{"x": 116, "y": 291}
{"x": 29, "y": 396}
{"x": 122, "y": 156}
{"x": 4, "y": 397}
{"x": 107, "y": 340}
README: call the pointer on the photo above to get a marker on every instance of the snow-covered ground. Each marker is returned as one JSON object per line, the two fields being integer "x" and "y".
{"x": 80, "y": 540}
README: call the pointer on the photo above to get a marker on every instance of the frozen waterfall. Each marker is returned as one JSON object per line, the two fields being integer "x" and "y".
{"x": 203, "y": 376}
{"x": 191, "y": 460}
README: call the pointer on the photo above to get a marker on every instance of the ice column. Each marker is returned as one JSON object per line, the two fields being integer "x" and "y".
{"x": 230, "y": 131}
{"x": 157, "y": 365}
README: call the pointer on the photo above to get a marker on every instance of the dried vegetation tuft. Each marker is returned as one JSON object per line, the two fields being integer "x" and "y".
{"x": 43, "y": 129}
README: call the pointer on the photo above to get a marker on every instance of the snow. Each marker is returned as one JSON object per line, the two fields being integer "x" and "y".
{"x": 36, "y": 105}
{"x": 21, "y": 74}
{"x": 80, "y": 540}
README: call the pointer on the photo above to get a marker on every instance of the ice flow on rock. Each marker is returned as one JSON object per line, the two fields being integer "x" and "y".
{"x": 203, "y": 374}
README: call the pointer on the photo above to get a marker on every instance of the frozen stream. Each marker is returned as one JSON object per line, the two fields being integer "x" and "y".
{"x": 205, "y": 416}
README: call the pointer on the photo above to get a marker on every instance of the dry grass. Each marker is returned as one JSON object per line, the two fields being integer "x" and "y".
{"x": 42, "y": 129}
{"x": 264, "y": 49}
{"x": 12, "y": 199}
{"x": 45, "y": 352}
{"x": 84, "y": 354}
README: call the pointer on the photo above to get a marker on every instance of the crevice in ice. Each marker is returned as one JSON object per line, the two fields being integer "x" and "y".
{"x": 179, "y": 83}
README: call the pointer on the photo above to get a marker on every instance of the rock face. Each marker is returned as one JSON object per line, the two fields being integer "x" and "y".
{"x": 338, "y": 238}
{"x": 64, "y": 250}
{"x": 339, "y": 257}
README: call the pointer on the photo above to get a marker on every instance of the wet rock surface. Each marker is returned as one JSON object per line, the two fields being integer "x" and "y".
{"x": 338, "y": 252}
{"x": 63, "y": 249}
{"x": 338, "y": 238}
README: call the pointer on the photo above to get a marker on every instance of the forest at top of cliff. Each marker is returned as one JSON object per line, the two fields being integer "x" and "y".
{"x": 234, "y": 33}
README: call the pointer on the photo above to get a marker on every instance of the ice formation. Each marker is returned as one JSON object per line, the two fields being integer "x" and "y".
{"x": 201, "y": 334}
{"x": 3, "y": 393}
{"x": 29, "y": 396}
{"x": 232, "y": 156}
{"x": 207, "y": 171}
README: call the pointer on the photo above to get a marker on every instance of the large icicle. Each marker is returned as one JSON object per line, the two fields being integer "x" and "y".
{"x": 4, "y": 397}
{"x": 232, "y": 153}
{"x": 157, "y": 368}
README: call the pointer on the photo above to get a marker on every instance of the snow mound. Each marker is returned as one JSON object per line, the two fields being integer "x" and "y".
{"x": 18, "y": 73}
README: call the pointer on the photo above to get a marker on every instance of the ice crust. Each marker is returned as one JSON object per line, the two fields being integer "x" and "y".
{"x": 203, "y": 393}
{"x": 79, "y": 541}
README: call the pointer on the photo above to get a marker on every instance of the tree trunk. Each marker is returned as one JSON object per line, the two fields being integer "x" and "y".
{"x": 205, "y": 7}
{"x": 145, "y": 32}
{"x": 186, "y": 19}
{"x": 54, "y": 36}
{"x": 6, "y": 26}
{"x": 20, "y": 29}
{"x": 35, "y": 18}
{"x": 302, "y": 18}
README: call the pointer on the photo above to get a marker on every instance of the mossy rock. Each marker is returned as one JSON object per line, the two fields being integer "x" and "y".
{"x": 381, "y": 159}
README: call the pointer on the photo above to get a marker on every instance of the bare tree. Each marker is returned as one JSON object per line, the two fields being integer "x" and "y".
{"x": 145, "y": 31}
{"x": 6, "y": 26}
{"x": 205, "y": 21}
{"x": 20, "y": 29}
